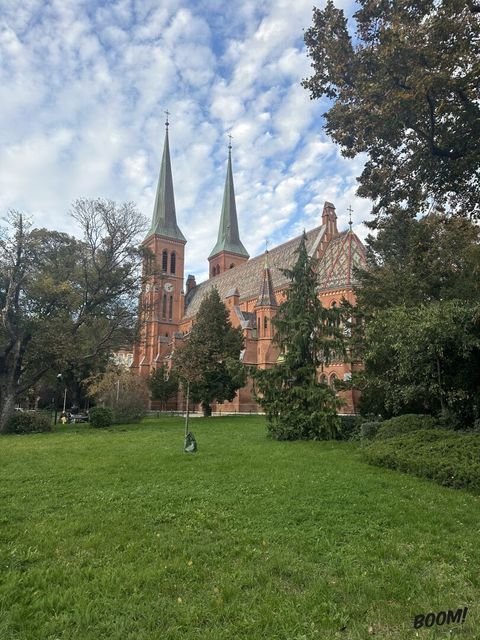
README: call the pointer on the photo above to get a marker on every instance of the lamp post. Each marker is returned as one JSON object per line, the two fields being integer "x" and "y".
{"x": 57, "y": 384}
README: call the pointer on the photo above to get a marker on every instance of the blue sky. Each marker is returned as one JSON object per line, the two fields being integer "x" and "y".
{"x": 83, "y": 90}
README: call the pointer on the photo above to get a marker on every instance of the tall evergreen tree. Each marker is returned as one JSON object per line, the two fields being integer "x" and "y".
{"x": 296, "y": 404}
{"x": 210, "y": 359}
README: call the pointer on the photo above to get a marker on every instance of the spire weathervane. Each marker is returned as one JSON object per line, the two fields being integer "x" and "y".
{"x": 167, "y": 113}
{"x": 230, "y": 142}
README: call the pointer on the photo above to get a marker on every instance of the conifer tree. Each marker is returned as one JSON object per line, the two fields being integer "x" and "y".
{"x": 296, "y": 404}
{"x": 210, "y": 359}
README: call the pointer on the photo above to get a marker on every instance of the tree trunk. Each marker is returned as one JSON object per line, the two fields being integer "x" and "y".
{"x": 7, "y": 406}
{"x": 207, "y": 409}
{"x": 9, "y": 381}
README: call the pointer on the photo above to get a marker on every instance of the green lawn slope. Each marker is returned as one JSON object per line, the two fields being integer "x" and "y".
{"x": 117, "y": 534}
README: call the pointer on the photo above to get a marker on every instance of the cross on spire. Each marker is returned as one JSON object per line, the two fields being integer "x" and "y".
{"x": 350, "y": 211}
{"x": 230, "y": 142}
{"x": 167, "y": 113}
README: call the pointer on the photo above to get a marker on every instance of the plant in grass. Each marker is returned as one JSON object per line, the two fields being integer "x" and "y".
{"x": 28, "y": 422}
{"x": 123, "y": 392}
{"x": 297, "y": 406}
{"x": 101, "y": 417}
{"x": 209, "y": 360}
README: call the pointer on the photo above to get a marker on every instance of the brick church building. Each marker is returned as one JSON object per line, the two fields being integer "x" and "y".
{"x": 251, "y": 288}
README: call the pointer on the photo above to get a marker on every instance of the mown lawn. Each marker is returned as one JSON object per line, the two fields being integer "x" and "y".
{"x": 117, "y": 534}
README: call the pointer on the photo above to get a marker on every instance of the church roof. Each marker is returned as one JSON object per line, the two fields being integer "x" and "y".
{"x": 164, "y": 219}
{"x": 228, "y": 235}
{"x": 342, "y": 254}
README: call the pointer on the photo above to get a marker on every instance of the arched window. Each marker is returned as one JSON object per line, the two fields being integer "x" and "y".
{"x": 265, "y": 325}
{"x": 170, "y": 308}
{"x": 333, "y": 305}
{"x": 323, "y": 379}
{"x": 164, "y": 306}
{"x": 333, "y": 379}
{"x": 173, "y": 260}
{"x": 232, "y": 265}
{"x": 164, "y": 260}
{"x": 218, "y": 269}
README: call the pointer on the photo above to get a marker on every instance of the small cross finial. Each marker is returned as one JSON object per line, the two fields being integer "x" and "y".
{"x": 230, "y": 142}
{"x": 266, "y": 253}
{"x": 350, "y": 211}
{"x": 167, "y": 113}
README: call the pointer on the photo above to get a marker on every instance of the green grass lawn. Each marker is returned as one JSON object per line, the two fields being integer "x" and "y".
{"x": 117, "y": 534}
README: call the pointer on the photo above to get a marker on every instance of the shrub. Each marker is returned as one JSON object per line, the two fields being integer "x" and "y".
{"x": 101, "y": 417}
{"x": 127, "y": 415}
{"x": 28, "y": 422}
{"x": 349, "y": 427}
{"x": 405, "y": 424}
{"x": 368, "y": 430}
{"x": 123, "y": 392}
{"x": 447, "y": 457}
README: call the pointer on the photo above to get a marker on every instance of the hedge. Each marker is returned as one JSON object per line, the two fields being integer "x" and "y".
{"x": 28, "y": 422}
{"x": 447, "y": 457}
{"x": 407, "y": 423}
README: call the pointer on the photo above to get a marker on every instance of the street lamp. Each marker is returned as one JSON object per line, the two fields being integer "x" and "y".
{"x": 57, "y": 385}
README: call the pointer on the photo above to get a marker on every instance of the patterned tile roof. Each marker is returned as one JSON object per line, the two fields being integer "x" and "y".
{"x": 342, "y": 255}
{"x": 334, "y": 269}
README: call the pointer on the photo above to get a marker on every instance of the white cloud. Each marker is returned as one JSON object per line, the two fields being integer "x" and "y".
{"x": 84, "y": 87}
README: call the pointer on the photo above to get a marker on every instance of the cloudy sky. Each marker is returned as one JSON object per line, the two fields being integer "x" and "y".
{"x": 83, "y": 89}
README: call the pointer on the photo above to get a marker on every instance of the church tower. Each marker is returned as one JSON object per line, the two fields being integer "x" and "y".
{"x": 265, "y": 309}
{"x": 161, "y": 301}
{"x": 229, "y": 251}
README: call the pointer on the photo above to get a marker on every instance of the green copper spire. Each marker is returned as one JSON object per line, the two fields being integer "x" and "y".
{"x": 164, "y": 220}
{"x": 228, "y": 236}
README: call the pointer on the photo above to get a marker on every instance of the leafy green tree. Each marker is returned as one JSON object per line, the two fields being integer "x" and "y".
{"x": 404, "y": 90}
{"x": 296, "y": 404}
{"x": 424, "y": 359}
{"x": 209, "y": 361}
{"x": 163, "y": 384}
{"x": 65, "y": 301}
{"x": 411, "y": 262}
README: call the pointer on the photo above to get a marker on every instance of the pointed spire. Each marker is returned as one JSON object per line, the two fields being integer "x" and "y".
{"x": 228, "y": 235}
{"x": 164, "y": 219}
{"x": 266, "y": 297}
